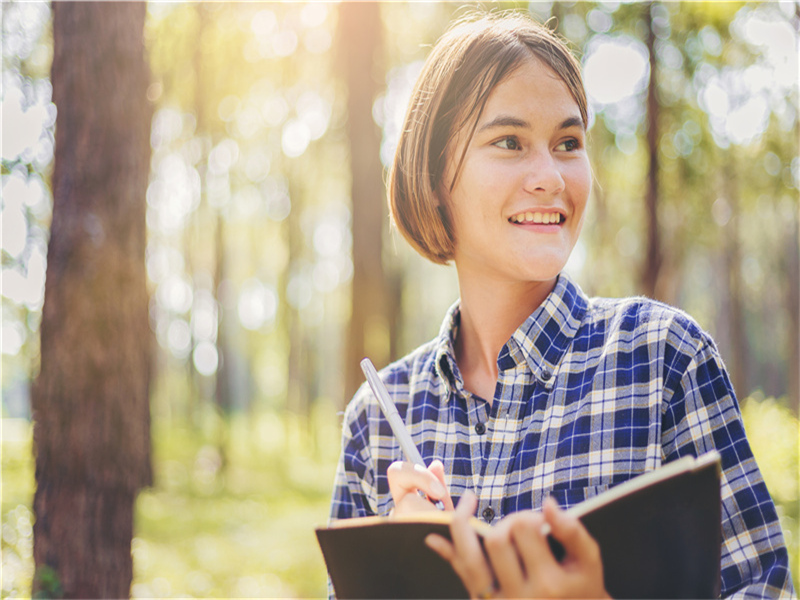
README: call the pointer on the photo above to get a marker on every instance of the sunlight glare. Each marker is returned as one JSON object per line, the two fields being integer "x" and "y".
{"x": 314, "y": 112}
{"x": 284, "y": 43}
{"x": 328, "y": 238}
{"x": 204, "y": 316}
{"x": 12, "y": 337}
{"x": 26, "y": 288}
{"x": 615, "y": 68}
{"x": 748, "y": 121}
{"x": 175, "y": 294}
{"x": 778, "y": 42}
{"x": 258, "y": 304}
{"x": 314, "y": 14}
{"x": 205, "y": 358}
{"x": 13, "y": 229}
{"x": 295, "y": 138}
{"x": 179, "y": 338}
{"x": 22, "y": 128}
{"x": 13, "y": 222}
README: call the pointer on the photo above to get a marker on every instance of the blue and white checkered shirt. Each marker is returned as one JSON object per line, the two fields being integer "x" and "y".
{"x": 590, "y": 393}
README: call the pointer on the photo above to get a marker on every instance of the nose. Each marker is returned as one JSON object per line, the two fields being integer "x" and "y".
{"x": 544, "y": 174}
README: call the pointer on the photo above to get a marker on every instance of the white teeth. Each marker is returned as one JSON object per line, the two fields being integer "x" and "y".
{"x": 537, "y": 217}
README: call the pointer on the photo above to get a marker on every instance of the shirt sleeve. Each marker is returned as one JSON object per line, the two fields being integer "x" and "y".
{"x": 701, "y": 413}
{"x": 354, "y": 493}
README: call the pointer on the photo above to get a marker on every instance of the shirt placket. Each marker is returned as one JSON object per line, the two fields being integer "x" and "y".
{"x": 502, "y": 431}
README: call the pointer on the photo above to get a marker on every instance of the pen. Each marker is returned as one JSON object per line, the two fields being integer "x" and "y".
{"x": 395, "y": 422}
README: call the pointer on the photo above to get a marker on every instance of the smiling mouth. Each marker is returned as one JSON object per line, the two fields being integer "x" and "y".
{"x": 545, "y": 218}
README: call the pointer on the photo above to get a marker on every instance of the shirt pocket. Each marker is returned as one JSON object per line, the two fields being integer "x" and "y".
{"x": 570, "y": 496}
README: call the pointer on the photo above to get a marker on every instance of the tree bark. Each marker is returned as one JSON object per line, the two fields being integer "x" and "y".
{"x": 91, "y": 398}
{"x": 360, "y": 53}
{"x": 653, "y": 257}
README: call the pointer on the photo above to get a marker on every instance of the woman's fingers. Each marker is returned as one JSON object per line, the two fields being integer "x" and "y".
{"x": 406, "y": 479}
{"x": 441, "y": 546}
{"x": 567, "y": 529}
{"x": 530, "y": 542}
{"x": 503, "y": 555}
{"x": 437, "y": 468}
{"x": 468, "y": 559}
{"x": 582, "y": 567}
{"x": 518, "y": 561}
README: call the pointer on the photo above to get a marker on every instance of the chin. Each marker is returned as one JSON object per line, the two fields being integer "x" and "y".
{"x": 543, "y": 269}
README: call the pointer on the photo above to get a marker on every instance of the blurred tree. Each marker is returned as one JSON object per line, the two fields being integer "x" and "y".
{"x": 90, "y": 401}
{"x": 732, "y": 305}
{"x": 360, "y": 47}
{"x": 653, "y": 257}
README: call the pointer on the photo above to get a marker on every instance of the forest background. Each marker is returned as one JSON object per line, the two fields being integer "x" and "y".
{"x": 272, "y": 267}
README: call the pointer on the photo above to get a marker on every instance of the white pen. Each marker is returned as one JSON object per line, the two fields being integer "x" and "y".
{"x": 395, "y": 422}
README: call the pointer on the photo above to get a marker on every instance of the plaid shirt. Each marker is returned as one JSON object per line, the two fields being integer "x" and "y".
{"x": 590, "y": 393}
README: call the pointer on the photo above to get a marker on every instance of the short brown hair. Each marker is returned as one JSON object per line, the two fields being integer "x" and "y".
{"x": 475, "y": 54}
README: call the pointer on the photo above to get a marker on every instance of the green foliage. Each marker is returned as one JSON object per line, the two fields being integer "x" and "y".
{"x": 47, "y": 583}
{"x": 17, "y": 516}
{"x": 774, "y": 435}
{"x": 237, "y": 518}
{"x": 238, "y": 526}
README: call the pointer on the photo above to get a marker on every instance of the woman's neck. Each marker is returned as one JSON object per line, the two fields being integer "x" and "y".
{"x": 490, "y": 313}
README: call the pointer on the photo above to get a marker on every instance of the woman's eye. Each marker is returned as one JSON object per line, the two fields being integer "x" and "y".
{"x": 508, "y": 143}
{"x": 569, "y": 145}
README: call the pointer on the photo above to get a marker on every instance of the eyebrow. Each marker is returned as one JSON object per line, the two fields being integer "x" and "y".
{"x": 509, "y": 121}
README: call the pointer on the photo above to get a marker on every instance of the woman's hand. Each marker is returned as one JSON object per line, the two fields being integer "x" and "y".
{"x": 520, "y": 563}
{"x": 406, "y": 479}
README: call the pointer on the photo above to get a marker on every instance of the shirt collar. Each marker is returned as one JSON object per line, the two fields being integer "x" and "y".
{"x": 445, "y": 353}
{"x": 541, "y": 341}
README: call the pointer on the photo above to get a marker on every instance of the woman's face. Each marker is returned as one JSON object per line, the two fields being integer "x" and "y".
{"x": 518, "y": 203}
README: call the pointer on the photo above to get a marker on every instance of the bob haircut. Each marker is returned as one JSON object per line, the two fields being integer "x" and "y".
{"x": 475, "y": 55}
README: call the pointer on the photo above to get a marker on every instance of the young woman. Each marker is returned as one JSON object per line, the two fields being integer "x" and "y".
{"x": 533, "y": 391}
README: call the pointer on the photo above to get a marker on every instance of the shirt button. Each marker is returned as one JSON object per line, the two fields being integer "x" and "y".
{"x": 480, "y": 428}
{"x": 546, "y": 375}
{"x": 488, "y": 514}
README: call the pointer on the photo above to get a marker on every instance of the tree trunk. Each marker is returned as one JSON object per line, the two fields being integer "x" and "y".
{"x": 298, "y": 395}
{"x": 223, "y": 381}
{"x": 733, "y": 268}
{"x": 653, "y": 258}
{"x": 360, "y": 49}
{"x": 91, "y": 399}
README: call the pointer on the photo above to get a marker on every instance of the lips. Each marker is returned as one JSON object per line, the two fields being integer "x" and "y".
{"x": 543, "y": 217}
